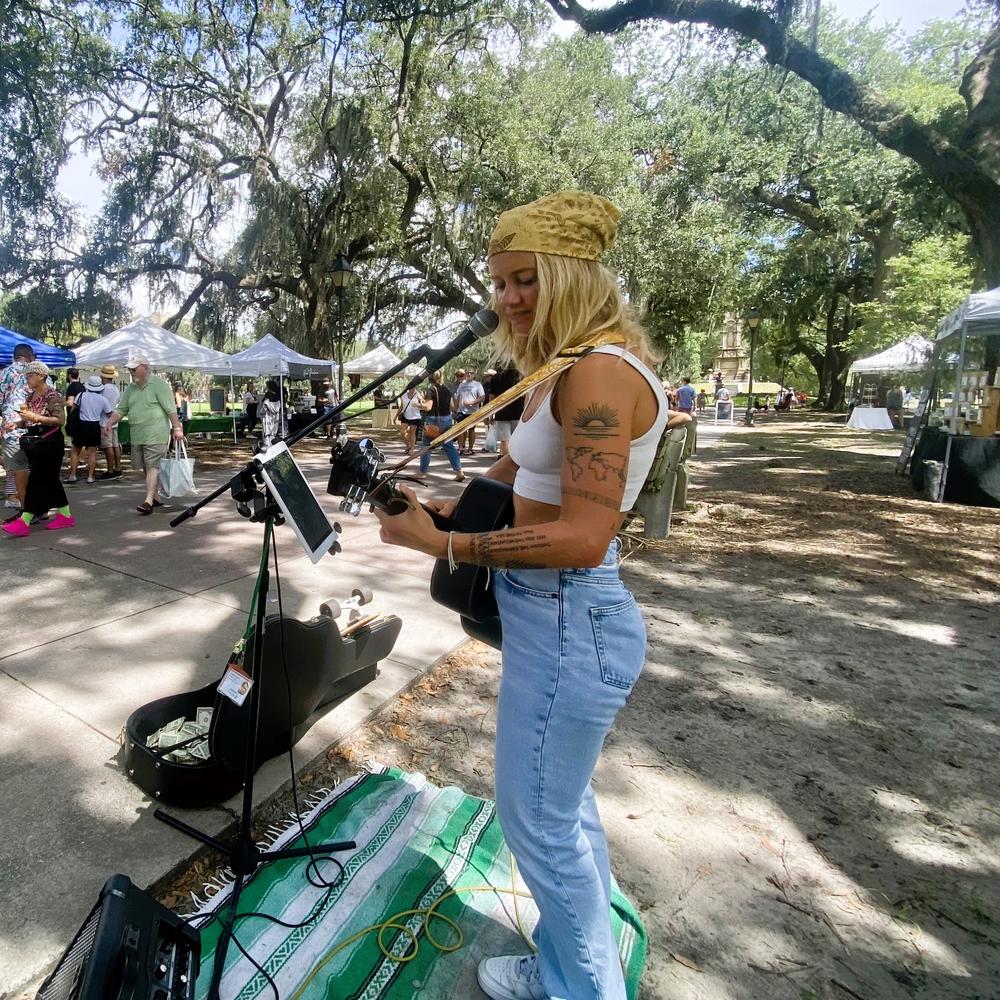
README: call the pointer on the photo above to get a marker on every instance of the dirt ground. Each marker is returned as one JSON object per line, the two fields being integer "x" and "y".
{"x": 801, "y": 795}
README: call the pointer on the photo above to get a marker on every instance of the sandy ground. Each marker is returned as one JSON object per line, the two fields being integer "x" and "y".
{"x": 801, "y": 795}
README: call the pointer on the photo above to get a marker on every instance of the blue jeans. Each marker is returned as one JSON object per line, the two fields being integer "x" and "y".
{"x": 573, "y": 646}
{"x": 449, "y": 447}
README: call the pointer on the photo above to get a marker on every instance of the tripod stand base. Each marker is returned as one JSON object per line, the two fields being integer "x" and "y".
{"x": 246, "y": 858}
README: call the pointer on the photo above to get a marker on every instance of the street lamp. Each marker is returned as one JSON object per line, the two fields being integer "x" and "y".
{"x": 341, "y": 274}
{"x": 753, "y": 319}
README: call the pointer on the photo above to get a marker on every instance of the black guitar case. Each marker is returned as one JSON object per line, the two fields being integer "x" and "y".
{"x": 486, "y": 505}
{"x": 323, "y": 667}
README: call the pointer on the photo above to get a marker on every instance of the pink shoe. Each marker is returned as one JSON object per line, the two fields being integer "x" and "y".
{"x": 17, "y": 528}
{"x": 60, "y": 521}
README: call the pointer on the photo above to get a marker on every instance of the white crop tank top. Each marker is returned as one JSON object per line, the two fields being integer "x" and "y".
{"x": 536, "y": 446}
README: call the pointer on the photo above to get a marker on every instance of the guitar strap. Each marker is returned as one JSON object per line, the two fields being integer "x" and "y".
{"x": 549, "y": 370}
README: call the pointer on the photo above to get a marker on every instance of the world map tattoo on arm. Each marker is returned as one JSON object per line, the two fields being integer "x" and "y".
{"x": 603, "y": 464}
{"x": 509, "y": 549}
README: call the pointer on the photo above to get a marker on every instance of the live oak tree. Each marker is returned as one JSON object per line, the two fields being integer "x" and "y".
{"x": 247, "y": 148}
{"x": 958, "y": 154}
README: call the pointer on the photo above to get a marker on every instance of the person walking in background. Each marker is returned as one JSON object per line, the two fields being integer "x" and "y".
{"x": 14, "y": 393}
{"x": 182, "y": 402}
{"x": 409, "y": 417}
{"x": 686, "y": 396}
{"x": 74, "y": 390}
{"x": 894, "y": 405}
{"x": 152, "y": 419}
{"x": 94, "y": 409}
{"x": 437, "y": 408}
{"x": 702, "y": 400}
{"x": 42, "y": 417}
{"x": 249, "y": 409}
{"x": 506, "y": 417}
{"x": 109, "y": 435}
{"x": 466, "y": 399}
{"x": 271, "y": 410}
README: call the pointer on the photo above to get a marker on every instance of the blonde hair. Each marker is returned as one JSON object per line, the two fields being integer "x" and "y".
{"x": 577, "y": 299}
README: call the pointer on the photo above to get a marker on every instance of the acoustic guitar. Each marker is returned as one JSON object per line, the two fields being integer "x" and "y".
{"x": 485, "y": 505}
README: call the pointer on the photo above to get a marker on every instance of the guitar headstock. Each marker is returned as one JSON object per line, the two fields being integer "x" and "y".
{"x": 354, "y": 475}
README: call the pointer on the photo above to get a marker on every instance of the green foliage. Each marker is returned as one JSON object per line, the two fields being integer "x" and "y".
{"x": 925, "y": 283}
{"x": 53, "y": 60}
{"x": 51, "y": 312}
{"x": 246, "y": 146}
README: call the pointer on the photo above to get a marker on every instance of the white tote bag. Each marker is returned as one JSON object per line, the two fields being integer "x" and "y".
{"x": 490, "y": 444}
{"x": 177, "y": 473}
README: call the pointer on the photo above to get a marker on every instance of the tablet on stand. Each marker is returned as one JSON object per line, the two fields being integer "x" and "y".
{"x": 297, "y": 501}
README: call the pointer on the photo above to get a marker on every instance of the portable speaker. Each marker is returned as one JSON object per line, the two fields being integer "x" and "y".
{"x": 130, "y": 947}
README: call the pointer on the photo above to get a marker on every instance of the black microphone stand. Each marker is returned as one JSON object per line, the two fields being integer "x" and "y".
{"x": 255, "y": 502}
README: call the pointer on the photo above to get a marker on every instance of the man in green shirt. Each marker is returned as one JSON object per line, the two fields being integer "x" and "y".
{"x": 149, "y": 405}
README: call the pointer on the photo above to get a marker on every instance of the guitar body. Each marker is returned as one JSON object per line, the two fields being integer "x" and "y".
{"x": 486, "y": 505}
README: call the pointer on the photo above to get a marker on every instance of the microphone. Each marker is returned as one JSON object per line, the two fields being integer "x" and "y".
{"x": 482, "y": 324}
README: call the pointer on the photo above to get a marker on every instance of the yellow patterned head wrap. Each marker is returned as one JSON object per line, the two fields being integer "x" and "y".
{"x": 567, "y": 224}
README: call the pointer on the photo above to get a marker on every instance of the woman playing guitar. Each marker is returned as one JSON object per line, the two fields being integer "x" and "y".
{"x": 573, "y": 638}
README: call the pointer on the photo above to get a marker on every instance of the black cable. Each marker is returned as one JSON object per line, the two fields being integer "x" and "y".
{"x": 319, "y": 882}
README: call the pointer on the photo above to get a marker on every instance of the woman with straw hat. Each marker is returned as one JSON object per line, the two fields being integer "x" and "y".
{"x": 43, "y": 415}
{"x": 573, "y": 638}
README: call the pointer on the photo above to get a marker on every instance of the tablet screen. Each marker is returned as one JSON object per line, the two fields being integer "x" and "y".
{"x": 297, "y": 500}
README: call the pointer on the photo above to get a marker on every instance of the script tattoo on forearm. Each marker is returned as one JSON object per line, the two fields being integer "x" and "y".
{"x": 507, "y": 549}
{"x": 608, "y": 502}
{"x": 602, "y": 464}
{"x": 597, "y": 420}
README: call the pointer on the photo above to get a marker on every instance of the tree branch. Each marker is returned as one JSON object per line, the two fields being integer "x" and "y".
{"x": 954, "y": 168}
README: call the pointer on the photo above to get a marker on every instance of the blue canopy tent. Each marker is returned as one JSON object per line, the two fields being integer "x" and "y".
{"x": 54, "y": 357}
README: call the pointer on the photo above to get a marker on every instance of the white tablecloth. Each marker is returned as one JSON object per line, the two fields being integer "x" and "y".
{"x": 872, "y": 418}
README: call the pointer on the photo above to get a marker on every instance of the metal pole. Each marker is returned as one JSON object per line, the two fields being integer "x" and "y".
{"x": 340, "y": 345}
{"x": 958, "y": 382}
{"x": 753, "y": 344}
{"x": 953, "y": 430}
{"x": 232, "y": 392}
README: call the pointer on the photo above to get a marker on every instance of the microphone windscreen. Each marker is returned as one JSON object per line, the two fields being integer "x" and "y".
{"x": 484, "y": 322}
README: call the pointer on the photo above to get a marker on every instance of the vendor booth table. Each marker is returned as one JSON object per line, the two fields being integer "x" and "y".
{"x": 196, "y": 425}
{"x": 973, "y": 466}
{"x": 871, "y": 418}
{"x": 957, "y": 457}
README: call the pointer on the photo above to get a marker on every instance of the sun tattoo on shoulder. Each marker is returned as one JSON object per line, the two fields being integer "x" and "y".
{"x": 598, "y": 420}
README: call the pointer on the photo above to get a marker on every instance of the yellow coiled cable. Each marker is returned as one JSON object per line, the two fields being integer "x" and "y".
{"x": 428, "y": 914}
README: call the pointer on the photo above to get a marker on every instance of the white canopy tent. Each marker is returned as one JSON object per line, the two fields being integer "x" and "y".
{"x": 377, "y": 362}
{"x": 269, "y": 356}
{"x": 913, "y": 354}
{"x": 165, "y": 350}
{"x": 143, "y": 338}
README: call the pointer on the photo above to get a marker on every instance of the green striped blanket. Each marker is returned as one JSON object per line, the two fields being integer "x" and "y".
{"x": 415, "y": 843}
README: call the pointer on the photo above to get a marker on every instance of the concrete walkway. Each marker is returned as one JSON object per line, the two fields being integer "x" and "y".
{"x": 99, "y": 620}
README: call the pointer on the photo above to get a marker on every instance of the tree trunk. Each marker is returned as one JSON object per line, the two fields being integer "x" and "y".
{"x": 838, "y": 390}
{"x": 984, "y": 221}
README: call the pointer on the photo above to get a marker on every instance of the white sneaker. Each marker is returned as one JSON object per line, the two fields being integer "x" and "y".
{"x": 513, "y": 977}
{"x": 12, "y": 503}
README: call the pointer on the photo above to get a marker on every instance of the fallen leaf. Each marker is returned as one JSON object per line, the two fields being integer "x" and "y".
{"x": 686, "y": 962}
